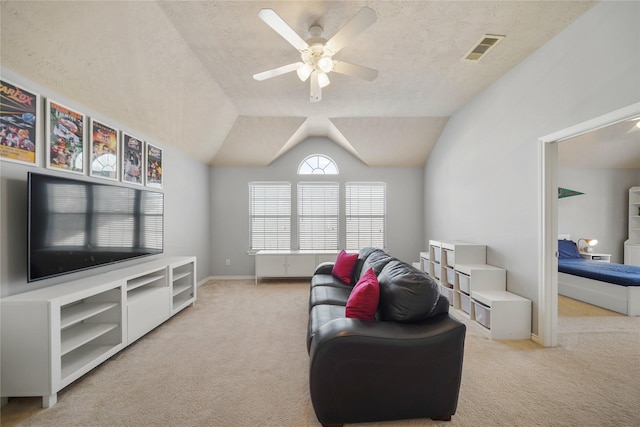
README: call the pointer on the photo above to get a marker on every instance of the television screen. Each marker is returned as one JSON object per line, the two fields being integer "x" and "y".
{"x": 74, "y": 225}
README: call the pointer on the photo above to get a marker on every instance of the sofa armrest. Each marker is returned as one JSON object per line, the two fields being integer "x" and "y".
{"x": 372, "y": 371}
{"x": 324, "y": 268}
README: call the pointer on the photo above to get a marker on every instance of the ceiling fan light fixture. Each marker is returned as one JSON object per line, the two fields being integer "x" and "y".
{"x": 323, "y": 80}
{"x": 325, "y": 64}
{"x": 304, "y": 72}
{"x": 316, "y": 53}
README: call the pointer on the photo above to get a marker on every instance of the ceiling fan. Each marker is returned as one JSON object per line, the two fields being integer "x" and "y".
{"x": 317, "y": 53}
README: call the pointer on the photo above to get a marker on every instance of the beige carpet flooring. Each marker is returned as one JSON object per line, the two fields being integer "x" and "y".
{"x": 238, "y": 358}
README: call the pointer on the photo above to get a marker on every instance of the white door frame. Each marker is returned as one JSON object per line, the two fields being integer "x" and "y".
{"x": 548, "y": 217}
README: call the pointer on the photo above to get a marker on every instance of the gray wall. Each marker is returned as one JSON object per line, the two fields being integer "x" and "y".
{"x": 481, "y": 179}
{"x": 602, "y": 211}
{"x": 230, "y": 203}
{"x": 186, "y": 189}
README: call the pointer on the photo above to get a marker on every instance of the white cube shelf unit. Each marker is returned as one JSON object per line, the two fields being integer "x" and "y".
{"x": 480, "y": 295}
{"x": 54, "y": 335}
{"x": 443, "y": 256}
{"x": 477, "y": 291}
{"x": 424, "y": 261}
{"x": 504, "y": 315}
{"x": 632, "y": 244}
{"x": 478, "y": 277}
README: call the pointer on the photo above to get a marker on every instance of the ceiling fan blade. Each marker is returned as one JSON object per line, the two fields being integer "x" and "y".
{"x": 354, "y": 70}
{"x": 360, "y": 22}
{"x": 277, "y": 71}
{"x": 315, "y": 93}
{"x": 279, "y": 26}
{"x": 635, "y": 127}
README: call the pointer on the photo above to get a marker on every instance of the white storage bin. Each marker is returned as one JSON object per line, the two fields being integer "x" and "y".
{"x": 483, "y": 314}
{"x": 447, "y": 292}
{"x": 450, "y": 276}
{"x": 449, "y": 258}
{"x": 436, "y": 272}
{"x": 463, "y": 281}
{"x": 465, "y": 302}
{"x": 436, "y": 255}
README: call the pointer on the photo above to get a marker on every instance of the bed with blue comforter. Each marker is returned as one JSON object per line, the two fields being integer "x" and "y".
{"x": 612, "y": 286}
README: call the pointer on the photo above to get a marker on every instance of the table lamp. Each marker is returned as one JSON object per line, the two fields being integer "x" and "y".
{"x": 589, "y": 247}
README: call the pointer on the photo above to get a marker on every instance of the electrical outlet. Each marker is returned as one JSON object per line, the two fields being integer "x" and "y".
{"x": 227, "y": 261}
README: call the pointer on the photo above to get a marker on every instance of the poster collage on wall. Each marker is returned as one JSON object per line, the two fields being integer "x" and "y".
{"x": 102, "y": 150}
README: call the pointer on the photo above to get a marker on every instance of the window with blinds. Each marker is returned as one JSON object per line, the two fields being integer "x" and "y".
{"x": 365, "y": 212}
{"x": 270, "y": 215}
{"x": 318, "y": 215}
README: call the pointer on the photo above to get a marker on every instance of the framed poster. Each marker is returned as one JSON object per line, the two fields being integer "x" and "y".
{"x": 104, "y": 151}
{"x": 154, "y": 166}
{"x": 65, "y": 138}
{"x": 132, "y": 159}
{"x": 19, "y": 129}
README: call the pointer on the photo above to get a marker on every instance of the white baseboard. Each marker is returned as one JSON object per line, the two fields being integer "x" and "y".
{"x": 226, "y": 278}
{"x": 535, "y": 338}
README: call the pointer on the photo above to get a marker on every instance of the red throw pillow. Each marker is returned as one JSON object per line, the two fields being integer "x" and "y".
{"x": 343, "y": 268}
{"x": 364, "y": 297}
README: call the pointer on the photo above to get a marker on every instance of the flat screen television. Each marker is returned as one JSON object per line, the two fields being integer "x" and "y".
{"x": 76, "y": 224}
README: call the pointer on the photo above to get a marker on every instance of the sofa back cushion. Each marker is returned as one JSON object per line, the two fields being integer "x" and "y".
{"x": 364, "y": 297}
{"x": 362, "y": 256}
{"x": 344, "y": 265}
{"x": 406, "y": 293}
{"x": 376, "y": 260}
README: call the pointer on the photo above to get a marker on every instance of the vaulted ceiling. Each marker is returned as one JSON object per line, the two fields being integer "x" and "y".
{"x": 181, "y": 71}
{"x": 616, "y": 146}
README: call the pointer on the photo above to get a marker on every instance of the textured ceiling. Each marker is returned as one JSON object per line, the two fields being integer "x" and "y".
{"x": 181, "y": 71}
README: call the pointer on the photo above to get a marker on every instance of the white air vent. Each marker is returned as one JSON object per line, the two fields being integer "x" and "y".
{"x": 484, "y": 45}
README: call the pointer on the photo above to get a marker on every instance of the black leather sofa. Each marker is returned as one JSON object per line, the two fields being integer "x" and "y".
{"x": 406, "y": 363}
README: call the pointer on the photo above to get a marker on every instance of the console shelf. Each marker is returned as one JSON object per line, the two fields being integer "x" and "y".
{"x": 145, "y": 280}
{"x": 54, "y": 335}
{"x": 79, "y": 312}
{"x": 82, "y": 357}
{"x": 183, "y": 290}
{"x": 82, "y": 334}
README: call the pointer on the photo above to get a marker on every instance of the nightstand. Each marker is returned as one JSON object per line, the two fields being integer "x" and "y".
{"x": 596, "y": 257}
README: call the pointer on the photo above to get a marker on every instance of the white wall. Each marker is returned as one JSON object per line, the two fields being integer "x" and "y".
{"x": 230, "y": 203}
{"x": 186, "y": 189}
{"x": 481, "y": 179}
{"x": 602, "y": 211}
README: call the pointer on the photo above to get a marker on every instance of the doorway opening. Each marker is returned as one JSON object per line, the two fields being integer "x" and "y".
{"x": 548, "y": 217}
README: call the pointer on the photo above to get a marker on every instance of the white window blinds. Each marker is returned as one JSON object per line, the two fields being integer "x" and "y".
{"x": 318, "y": 215}
{"x": 270, "y": 215}
{"x": 365, "y": 211}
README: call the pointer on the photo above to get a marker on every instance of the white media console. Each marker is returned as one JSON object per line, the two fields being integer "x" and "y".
{"x": 54, "y": 335}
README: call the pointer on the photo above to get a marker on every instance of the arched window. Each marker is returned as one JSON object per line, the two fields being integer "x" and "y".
{"x": 318, "y": 164}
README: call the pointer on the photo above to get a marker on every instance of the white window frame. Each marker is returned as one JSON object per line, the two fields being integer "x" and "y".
{"x": 365, "y": 215}
{"x": 318, "y": 215}
{"x": 318, "y": 164}
{"x": 269, "y": 216}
